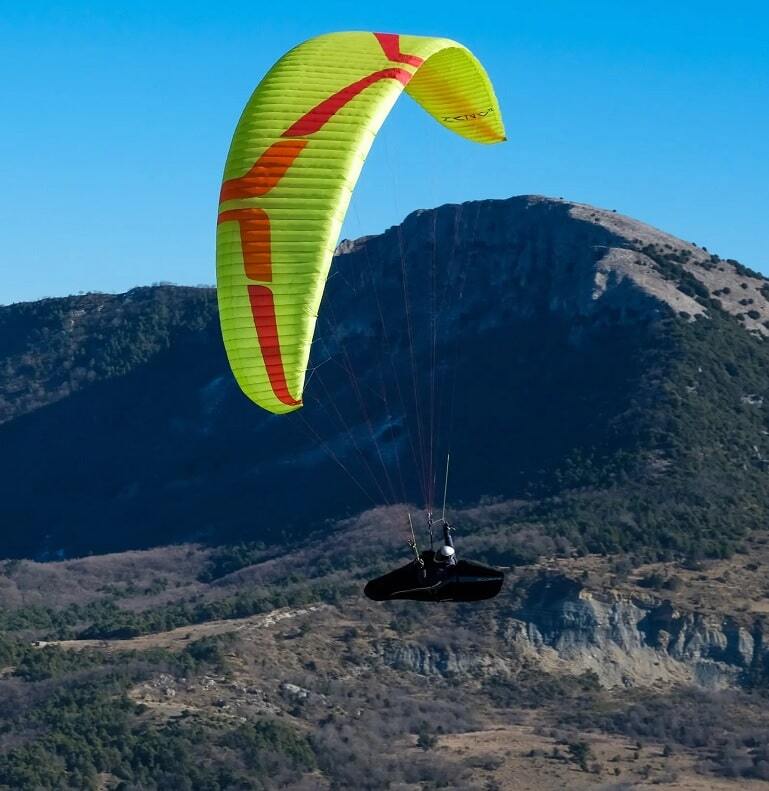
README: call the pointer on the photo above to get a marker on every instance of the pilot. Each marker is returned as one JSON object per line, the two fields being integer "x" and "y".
{"x": 446, "y": 556}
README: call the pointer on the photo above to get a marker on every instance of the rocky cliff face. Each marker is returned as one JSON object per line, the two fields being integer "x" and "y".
{"x": 567, "y": 620}
{"x": 563, "y": 628}
{"x": 571, "y": 259}
{"x": 631, "y": 641}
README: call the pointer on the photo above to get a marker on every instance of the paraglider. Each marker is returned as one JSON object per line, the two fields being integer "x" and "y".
{"x": 437, "y": 576}
{"x": 294, "y": 160}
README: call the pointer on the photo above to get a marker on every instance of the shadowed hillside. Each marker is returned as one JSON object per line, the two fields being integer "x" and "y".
{"x": 607, "y": 376}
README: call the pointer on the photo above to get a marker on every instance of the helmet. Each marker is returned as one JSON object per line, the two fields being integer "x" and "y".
{"x": 446, "y": 552}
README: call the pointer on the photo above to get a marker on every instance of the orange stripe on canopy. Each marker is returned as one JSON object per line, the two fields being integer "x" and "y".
{"x": 254, "y": 240}
{"x": 316, "y": 118}
{"x": 391, "y": 46}
{"x": 267, "y": 171}
{"x": 266, "y": 323}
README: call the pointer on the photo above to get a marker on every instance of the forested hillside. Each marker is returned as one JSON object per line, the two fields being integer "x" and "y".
{"x": 608, "y": 378}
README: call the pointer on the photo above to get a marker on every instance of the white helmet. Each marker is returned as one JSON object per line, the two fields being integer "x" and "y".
{"x": 446, "y": 551}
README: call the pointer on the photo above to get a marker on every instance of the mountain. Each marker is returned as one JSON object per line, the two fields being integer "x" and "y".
{"x": 602, "y": 388}
{"x": 604, "y": 378}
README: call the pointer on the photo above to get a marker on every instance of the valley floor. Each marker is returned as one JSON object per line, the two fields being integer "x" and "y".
{"x": 337, "y": 692}
{"x": 522, "y": 749}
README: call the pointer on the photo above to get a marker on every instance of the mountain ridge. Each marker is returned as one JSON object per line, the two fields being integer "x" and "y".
{"x": 615, "y": 359}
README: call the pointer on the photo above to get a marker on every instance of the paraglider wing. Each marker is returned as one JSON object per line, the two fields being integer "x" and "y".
{"x": 295, "y": 157}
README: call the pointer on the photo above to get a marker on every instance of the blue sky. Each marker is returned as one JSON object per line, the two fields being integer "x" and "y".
{"x": 115, "y": 120}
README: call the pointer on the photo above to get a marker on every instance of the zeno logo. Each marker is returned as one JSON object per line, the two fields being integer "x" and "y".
{"x": 451, "y": 119}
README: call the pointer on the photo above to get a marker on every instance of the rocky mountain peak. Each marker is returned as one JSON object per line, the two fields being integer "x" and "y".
{"x": 580, "y": 260}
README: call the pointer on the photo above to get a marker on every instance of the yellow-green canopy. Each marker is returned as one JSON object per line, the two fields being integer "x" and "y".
{"x": 295, "y": 157}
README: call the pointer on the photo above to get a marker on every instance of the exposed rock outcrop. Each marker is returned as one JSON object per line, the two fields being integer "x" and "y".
{"x": 629, "y": 641}
{"x": 563, "y": 627}
{"x": 441, "y": 660}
